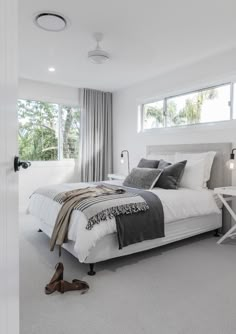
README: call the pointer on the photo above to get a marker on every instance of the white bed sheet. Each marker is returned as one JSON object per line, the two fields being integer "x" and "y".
{"x": 177, "y": 205}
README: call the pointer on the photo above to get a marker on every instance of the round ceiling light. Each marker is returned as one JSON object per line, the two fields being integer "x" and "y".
{"x": 50, "y": 21}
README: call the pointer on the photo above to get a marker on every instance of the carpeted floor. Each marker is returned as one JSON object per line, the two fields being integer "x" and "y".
{"x": 184, "y": 288}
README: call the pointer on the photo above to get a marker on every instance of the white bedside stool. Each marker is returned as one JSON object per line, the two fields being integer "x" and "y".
{"x": 230, "y": 192}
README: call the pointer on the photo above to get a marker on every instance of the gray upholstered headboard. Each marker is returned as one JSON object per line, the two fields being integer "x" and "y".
{"x": 220, "y": 175}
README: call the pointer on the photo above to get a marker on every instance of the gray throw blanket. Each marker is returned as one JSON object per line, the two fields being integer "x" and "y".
{"x": 141, "y": 226}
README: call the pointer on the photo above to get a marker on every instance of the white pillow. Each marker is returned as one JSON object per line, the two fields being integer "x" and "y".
{"x": 193, "y": 176}
{"x": 208, "y": 157}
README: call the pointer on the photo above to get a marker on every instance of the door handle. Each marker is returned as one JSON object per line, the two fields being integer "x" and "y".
{"x": 18, "y": 163}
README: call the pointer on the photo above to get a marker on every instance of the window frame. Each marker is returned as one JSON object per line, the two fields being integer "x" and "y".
{"x": 142, "y": 114}
{"x": 60, "y": 137}
{"x": 166, "y": 98}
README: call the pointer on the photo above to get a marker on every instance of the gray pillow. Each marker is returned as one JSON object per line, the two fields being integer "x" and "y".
{"x": 142, "y": 178}
{"x": 171, "y": 176}
{"x": 146, "y": 163}
{"x": 163, "y": 164}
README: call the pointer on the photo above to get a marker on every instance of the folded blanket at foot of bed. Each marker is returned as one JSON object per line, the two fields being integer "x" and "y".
{"x": 98, "y": 202}
{"x": 139, "y": 214}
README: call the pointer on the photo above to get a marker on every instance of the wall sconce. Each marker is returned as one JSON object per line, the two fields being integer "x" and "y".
{"x": 231, "y": 164}
{"x": 122, "y": 158}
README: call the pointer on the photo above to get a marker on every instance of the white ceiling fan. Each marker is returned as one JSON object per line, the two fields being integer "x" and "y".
{"x": 98, "y": 56}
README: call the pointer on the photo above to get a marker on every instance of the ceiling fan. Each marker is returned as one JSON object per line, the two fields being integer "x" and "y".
{"x": 98, "y": 56}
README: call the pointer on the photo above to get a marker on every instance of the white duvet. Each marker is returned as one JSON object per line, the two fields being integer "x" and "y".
{"x": 177, "y": 205}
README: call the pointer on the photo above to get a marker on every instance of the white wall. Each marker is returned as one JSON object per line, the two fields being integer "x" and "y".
{"x": 218, "y": 69}
{"x": 49, "y": 172}
{"x": 35, "y": 90}
{"x": 42, "y": 174}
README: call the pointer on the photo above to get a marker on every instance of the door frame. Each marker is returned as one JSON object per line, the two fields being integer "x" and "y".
{"x": 9, "y": 237}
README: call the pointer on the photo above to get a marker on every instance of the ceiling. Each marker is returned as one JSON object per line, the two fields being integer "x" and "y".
{"x": 144, "y": 38}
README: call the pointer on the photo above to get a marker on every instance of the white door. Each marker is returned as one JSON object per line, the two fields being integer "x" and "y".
{"x": 9, "y": 250}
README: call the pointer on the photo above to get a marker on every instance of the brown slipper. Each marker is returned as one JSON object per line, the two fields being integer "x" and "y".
{"x": 84, "y": 285}
{"x": 57, "y": 277}
{"x": 75, "y": 285}
{"x": 50, "y": 288}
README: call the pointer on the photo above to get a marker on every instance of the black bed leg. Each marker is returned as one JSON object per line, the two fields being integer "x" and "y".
{"x": 217, "y": 234}
{"x": 91, "y": 272}
{"x": 39, "y": 230}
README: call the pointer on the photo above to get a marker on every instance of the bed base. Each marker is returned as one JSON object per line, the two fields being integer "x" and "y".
{"x": 107, "y": 248}
{"x": 92, "y": 272}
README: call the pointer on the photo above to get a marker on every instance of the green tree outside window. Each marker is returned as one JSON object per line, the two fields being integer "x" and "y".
{"x": 43, "y": 127}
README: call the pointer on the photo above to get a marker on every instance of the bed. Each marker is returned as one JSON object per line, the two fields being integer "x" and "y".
{"x": 190, "y": 213}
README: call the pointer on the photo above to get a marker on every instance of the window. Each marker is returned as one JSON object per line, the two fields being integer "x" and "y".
{"x": 48, "y": 131}
{"x": 153, "y": 115}
{"x": 203, "y": 106}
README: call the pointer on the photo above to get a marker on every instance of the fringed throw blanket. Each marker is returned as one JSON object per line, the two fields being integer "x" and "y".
{"x": 139, "y": 213}
{"x": 97, "y": 203}
{"x": 141, "y": 226}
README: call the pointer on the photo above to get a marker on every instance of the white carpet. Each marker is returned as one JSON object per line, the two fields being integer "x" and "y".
{"x": 184, "y": 288}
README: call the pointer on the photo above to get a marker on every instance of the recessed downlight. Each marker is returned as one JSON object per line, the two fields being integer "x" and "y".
{"x": 50, "y": 21}
{"x": 51, "y": 69}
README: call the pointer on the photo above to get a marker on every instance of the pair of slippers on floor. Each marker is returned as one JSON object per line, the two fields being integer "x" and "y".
{"x": 57, "y": 283}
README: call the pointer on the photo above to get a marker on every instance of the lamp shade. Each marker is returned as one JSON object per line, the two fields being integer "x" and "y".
{"x": 231, "y": 164}
{"x": 122, "y": 160}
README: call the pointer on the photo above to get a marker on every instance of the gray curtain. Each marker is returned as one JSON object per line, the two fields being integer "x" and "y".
{"x": 95, "y": 160}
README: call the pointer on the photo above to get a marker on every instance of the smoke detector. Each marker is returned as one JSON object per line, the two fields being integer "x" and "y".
{"x": 98, "y": 56}
{"x": 50, "y": 21}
